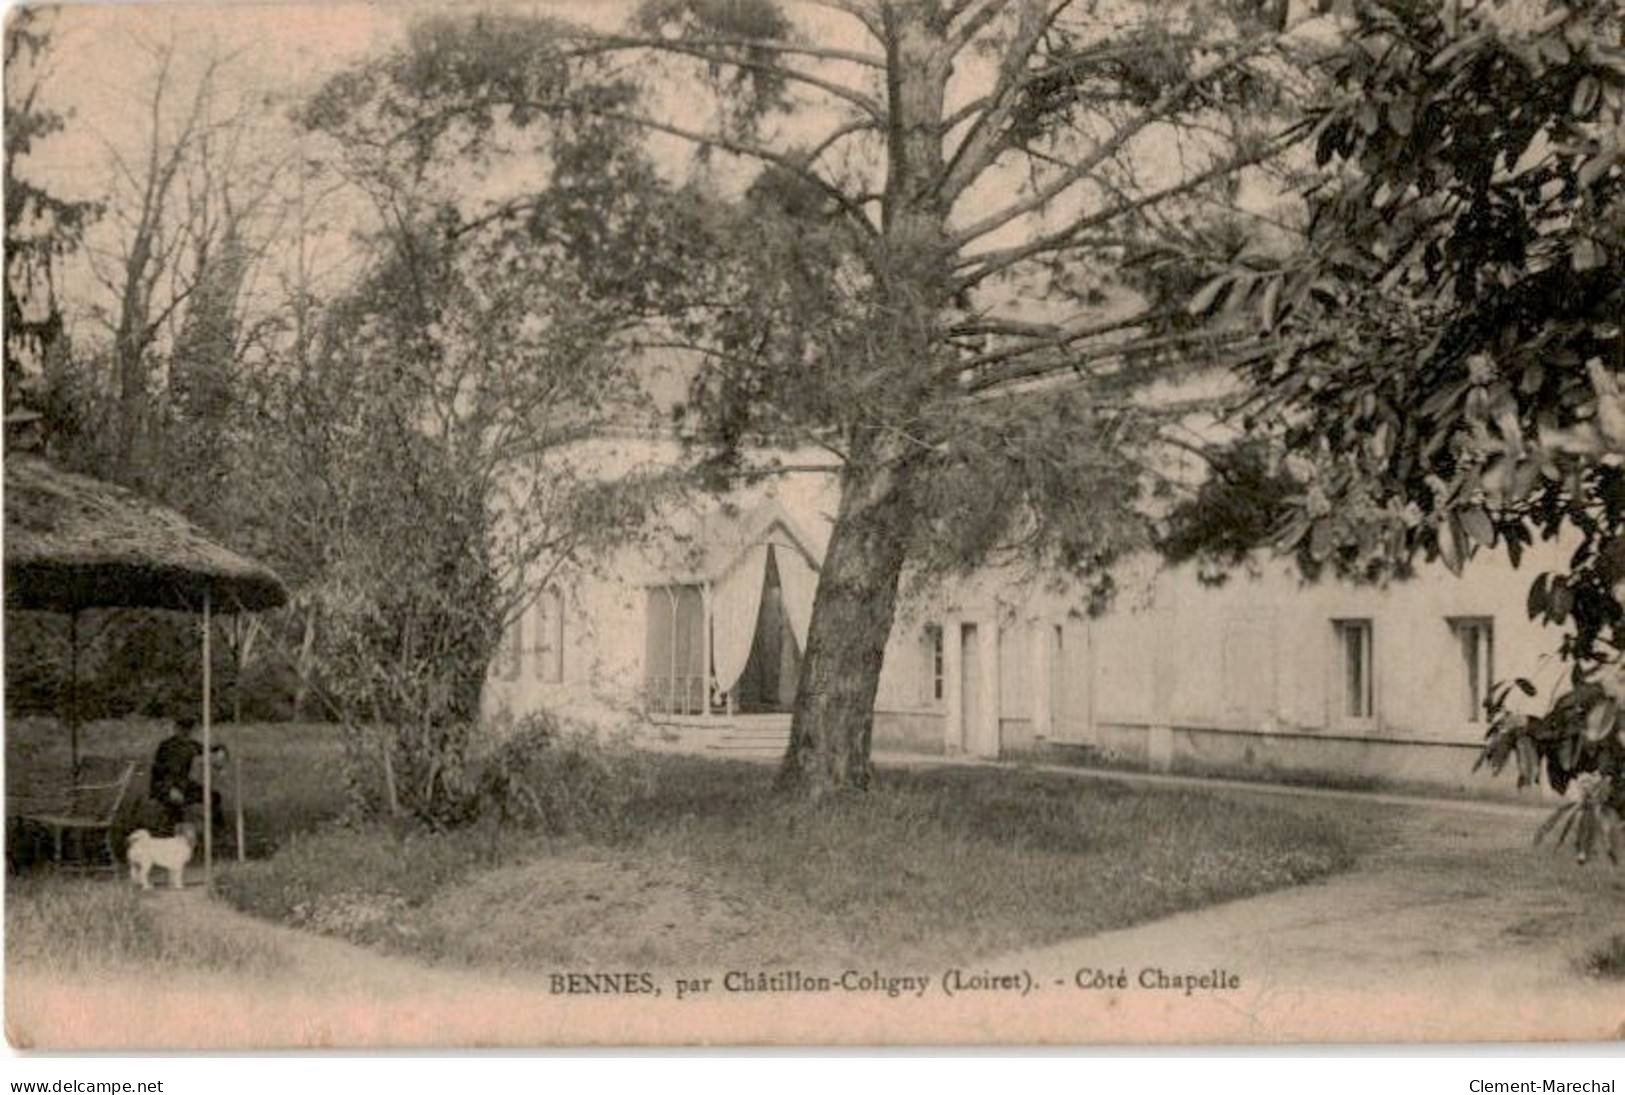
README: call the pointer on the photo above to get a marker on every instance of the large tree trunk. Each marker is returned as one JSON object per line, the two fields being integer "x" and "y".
{"x": 858, "y": 585}
{"x": 852, "y": 619}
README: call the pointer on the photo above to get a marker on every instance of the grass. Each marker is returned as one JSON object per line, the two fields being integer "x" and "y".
{"x": 701, "y": 865}
{"x": 84, "y": 925}
{"x": 709, "y": 866}
{"x": 72, "y": 925}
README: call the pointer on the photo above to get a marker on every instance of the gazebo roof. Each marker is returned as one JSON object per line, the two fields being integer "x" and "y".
{"x": 72, "y": 542}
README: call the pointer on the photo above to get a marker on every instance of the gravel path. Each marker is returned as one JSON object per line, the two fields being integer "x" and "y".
{"x": 1454, "y": 930}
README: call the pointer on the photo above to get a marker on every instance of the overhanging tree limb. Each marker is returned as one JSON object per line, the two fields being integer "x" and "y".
{"x": 688, "y": 47}
{"x": 602, "y": 43}
{"x": 985, "y": 264}
{"x": 1166, "y": 105}
{"x": 981, "y": 145}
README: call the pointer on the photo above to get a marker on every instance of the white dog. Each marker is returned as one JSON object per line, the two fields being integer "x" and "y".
{"x": 171, "y": 853}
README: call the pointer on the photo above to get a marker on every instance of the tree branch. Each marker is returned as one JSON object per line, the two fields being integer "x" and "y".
{"x": 691, "y": 49}
{"x": 1158, "y": 111}
{"x": 988, "y": 263}
{"x": 1034, "y": 370}
{"x": 981, "y": 145}
{"x": 605, "y": 43}
{"x": 1042, "y": 335}
{"x": 792, "y": 164}
{"x": 985, "y": 12}
{"x": 866, "y": 15}
{"x": 857, "y": 125}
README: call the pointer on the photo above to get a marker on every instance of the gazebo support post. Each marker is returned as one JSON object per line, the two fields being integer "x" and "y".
{"x": 73, "y": 690}
{"x": 705, "y": 650}
{"x": 237, "y": 798}
{"x": 208, "y": 757}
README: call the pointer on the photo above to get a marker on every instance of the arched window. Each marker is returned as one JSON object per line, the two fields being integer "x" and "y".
{"x": 547, "y": 653}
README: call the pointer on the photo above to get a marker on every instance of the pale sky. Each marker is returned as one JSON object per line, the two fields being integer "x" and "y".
{"x": 103, "y": 62}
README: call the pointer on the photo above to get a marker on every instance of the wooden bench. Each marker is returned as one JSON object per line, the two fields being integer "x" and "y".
{"x": 85, "y": 804}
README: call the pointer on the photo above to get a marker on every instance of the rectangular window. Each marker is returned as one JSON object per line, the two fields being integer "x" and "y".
{"x": 1355, "y": 694}
{"x": 931, "y": 664}
{"x": 548, "y": 654}
{"x": 1475, "y": 645}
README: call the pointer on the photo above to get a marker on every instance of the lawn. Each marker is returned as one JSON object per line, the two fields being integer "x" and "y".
{"x": 699, "y": 865}
{"x": 707, "y": 866}
{"x": 82, "y": 926}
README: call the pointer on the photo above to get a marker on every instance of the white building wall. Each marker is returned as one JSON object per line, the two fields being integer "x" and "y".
{"x": 606, "y": 602}
{"x": 1240, "y": 676}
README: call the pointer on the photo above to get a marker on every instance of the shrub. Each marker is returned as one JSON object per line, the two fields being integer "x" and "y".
{"x": 561, "y": 780}
{"x": 1607, "y": 960}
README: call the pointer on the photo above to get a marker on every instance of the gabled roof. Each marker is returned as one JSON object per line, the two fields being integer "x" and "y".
{"x": 727, "y": 533}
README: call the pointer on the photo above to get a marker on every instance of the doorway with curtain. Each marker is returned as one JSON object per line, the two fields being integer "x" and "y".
{"x": 751, "y": 618}
{"x": 768, "y": 682}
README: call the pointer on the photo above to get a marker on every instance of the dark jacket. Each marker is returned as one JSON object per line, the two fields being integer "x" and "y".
{"x": 172, "y": 765}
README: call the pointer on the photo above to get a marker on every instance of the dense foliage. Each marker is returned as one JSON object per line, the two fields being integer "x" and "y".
{"x": 1446, "y": 378}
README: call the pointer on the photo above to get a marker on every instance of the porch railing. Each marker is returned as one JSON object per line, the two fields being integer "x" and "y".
{"x": 680, "y": 695}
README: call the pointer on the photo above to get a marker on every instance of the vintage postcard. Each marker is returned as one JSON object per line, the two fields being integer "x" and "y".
{"x": 859, "y": 522}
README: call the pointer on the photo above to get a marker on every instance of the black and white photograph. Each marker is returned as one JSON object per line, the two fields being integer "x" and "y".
{"x": 814, "y": 523}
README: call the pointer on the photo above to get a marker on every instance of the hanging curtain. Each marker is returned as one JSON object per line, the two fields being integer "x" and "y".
{"x": 736, "y": 600}
{"x": 799, "y": 581}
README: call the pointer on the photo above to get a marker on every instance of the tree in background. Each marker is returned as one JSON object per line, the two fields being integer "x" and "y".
{"x": 864, "y": 292}
{"x": 395, "y": 437}
{"x": 428, "y": 451}
{"x": 149, "y": 390}
{"x": 41, "y": 227}
{"x": 1451, "y": 340}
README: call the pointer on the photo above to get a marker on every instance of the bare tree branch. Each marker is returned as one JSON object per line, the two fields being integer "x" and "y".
{"x": 982, "y": 143}
{"x": 706, "y": 52}
{"x": 985, "y": 11}
{"x": 1042, "y": 335}
{"x": 857, "y": 125}
{"x": 604, "y": 43}
{"x": 1166, "y": 103}
{"x": 1239, "y": 348}
{"x": 988, "y": 263}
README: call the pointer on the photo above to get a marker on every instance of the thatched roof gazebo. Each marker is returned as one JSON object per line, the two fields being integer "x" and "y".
{"x": 74, "y": 543}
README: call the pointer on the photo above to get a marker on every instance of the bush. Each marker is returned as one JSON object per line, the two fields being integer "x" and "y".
{"x": 1606, "y": 960}
{"x": 561, "y": 780}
